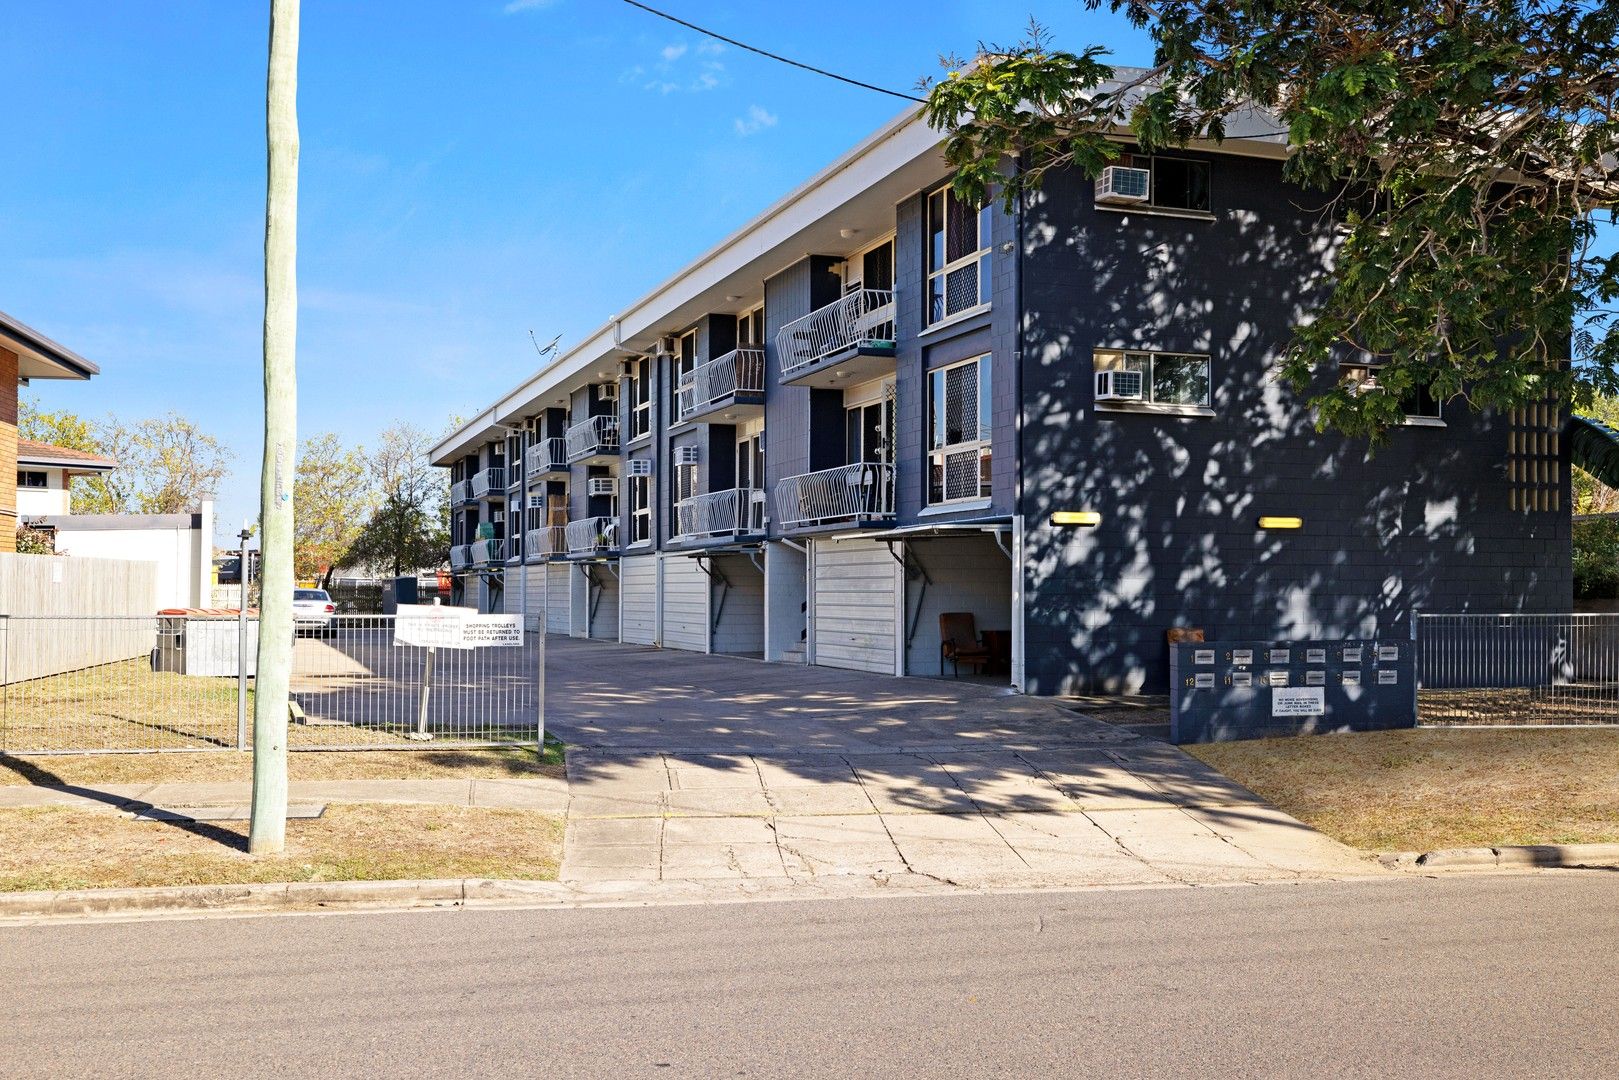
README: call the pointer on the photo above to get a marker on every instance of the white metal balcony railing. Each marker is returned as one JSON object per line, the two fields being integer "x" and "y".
{"x": 734, "y": 512}
{"x": 861, "y": 492}
{"x": 863, "y": 317}
{"x": 598, "y": 435}
{"x": 460, "y": 556}
{"x": 547, "y": 455}
{"x": 460, "y": 492}
{"x": 740, "y": 371}
{"x": 487, "y": 482}
{"x": 591, "y": 535}
{"x": 545, "y": 542}
{"x": 485, "y": 552}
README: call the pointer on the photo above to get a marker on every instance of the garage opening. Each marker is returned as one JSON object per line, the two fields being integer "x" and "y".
{"x": 602, "y": 598}
{"x": 737, "y": 603}
{"x": 958, "y": 606}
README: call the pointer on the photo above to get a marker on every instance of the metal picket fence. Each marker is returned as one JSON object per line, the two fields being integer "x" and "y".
{"x": 171, "y": 683}
{"x": 1514, "y": 670}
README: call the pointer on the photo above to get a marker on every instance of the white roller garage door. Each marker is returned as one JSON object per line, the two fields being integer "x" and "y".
{"x": 638, "y": 582}
{"x": 535, "y": 608}
{"x": 685, "y": 604}
{"x": 856, "y": 590}
{"x": 558, "y": 598}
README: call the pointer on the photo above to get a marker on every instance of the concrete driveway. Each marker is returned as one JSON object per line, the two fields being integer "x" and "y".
{"x": 695, "y": 768}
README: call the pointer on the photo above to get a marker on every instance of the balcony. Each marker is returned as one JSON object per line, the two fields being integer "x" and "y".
{"x": 549, "y": 542}
{"x": 720, "y": 515}
{"x": 593, "y": 536}
{"x": 846, "y": 342}
{"x": 490, "y": 552}
{"x": 460, "y": 557}
{"x": 594, "y": 442}
{"x": 487, "y": 484}
{"x": 546, "y": 456}
{"x": 858, "y": 494}
{"x": 726, "y": 389}
{"x": 460, "y": 492}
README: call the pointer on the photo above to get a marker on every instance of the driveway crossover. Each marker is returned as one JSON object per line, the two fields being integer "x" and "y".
{"x": 689, "y": 767}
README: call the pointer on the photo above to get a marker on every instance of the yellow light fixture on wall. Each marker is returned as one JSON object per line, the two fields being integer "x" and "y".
{"x": 1085, "y": 518}
{"x": 1281, "y": 523}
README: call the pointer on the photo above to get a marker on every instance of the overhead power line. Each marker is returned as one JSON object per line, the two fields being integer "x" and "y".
{"x": 773, "y": 56}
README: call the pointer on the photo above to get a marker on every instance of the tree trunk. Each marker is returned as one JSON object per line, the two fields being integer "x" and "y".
{"x": 267, "y": 834}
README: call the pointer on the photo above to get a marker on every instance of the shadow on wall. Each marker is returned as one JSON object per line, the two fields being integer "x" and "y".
{"x": 1422, "y": 523}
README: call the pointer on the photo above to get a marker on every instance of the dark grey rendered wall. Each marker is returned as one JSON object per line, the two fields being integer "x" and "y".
{"x": 1422, "y": 524}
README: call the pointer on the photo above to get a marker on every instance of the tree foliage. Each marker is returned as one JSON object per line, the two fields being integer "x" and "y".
{"x": 1467, "y": 149}
{"x": 166, "y": 464}
{"x": 408, "y": 529}
{"x": 334, "y": 496}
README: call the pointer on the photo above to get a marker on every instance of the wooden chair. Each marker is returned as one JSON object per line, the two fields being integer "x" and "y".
{"x": 959, "y": 644}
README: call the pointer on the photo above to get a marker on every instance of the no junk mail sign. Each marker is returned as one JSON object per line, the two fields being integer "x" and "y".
{"x": 435, "y": 627}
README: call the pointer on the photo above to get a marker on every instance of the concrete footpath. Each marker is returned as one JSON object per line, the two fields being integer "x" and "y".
{"x": 1138, "y": 813}
{"x": 546, "y": 794}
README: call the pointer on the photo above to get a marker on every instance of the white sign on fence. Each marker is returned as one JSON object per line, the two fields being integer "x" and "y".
{"x": 500, "y": 631}
{"x": 1298, "y": 701}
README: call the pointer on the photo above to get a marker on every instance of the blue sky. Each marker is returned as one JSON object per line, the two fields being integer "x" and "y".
{"x": 470, "y": 171}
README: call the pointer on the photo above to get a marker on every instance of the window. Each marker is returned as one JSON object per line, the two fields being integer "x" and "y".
{"x": 1166, "y": 378}
{"x": 640, "y": 397}
{"x": 1177, "y": 183}
{"x": 1417, "y": 404}
{"x": 750, "y": 328}
{"x": 959, "y": 432}
{"x": 958, "y": 255}
{"x": 750, "y": 462}
{"x": 685, "y": 362}
{"x": 640, "y": 509}
{"x": 868, "y": 431}
{"x": 30, "y": 479}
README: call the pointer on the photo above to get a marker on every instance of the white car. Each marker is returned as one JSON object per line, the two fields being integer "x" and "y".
{"x": 313, "y": 612}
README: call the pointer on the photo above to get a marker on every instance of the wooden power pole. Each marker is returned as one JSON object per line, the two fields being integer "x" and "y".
{"x": 268, "y": 832}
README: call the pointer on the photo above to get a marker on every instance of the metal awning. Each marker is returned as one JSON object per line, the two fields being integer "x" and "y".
{"x": 737, "y": 548}
{"x": 943, "y": 528}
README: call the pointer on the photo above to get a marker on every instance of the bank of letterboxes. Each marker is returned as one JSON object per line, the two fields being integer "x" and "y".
{"x": 1254, "y": 689}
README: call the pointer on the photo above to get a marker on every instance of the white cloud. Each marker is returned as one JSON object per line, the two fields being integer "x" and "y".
{"x": 515, "y": 6}
{"x": 757, "y": 120}
{"x": 680, "y": 68}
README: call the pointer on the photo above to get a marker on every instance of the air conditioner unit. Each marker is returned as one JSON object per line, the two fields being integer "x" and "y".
{"x": 607, "y": 391}
{"x": 536, "y": 502}
{"x": 685, "y": 455}
{"x": 602, "y": 485}
{"x": 638, "y": 467}
{"x": 1118, "y": 386}
{"x": 1121, "y": 184}
{"x": 662, "y": 347}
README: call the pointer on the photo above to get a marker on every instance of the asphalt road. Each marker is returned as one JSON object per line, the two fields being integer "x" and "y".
{"x": 1464, "y": 977}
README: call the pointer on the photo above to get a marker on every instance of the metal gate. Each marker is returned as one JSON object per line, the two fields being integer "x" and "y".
{"x": 102, "y": 685}
{"x": 1514, "y": 670}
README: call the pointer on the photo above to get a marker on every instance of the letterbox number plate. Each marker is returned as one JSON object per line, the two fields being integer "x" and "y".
{"x": 1242, "y": 656}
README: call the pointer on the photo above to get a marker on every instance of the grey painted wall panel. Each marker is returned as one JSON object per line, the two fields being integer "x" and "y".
{"x": 739, "y": 626}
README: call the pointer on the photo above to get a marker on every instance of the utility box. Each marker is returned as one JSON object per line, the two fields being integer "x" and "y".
{"x": 399, "y": 590}
{"x": 202, "y": 642}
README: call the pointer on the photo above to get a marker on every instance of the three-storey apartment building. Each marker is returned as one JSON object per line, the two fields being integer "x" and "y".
{"x": 877, "y": 408}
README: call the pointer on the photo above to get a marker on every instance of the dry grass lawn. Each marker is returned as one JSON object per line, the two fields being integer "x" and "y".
{"x": 59, "y": 848}
{"x": 1436, "y": 788}
{"x": 223, "y": 766}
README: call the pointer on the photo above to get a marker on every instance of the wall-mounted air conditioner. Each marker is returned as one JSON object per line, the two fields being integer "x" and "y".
{"x": 607, "y": 391}
{"x": 1121, "y": 184}
{"x": 602, "y": 485}
{"x": 536, "y": 502}
{"x": 638, "y": 467}
{"x": 686, "y": 455}
{"x": 1118, "y": 386}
